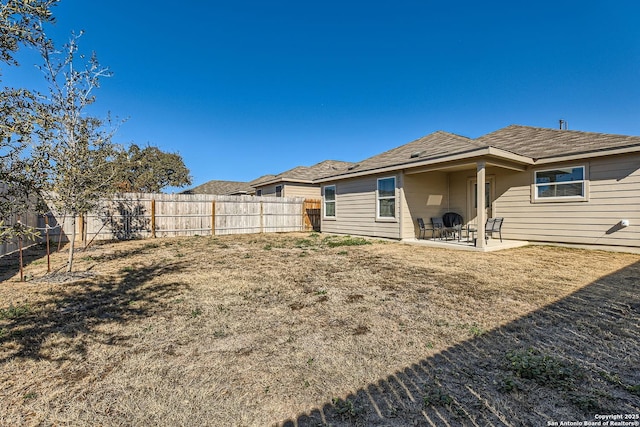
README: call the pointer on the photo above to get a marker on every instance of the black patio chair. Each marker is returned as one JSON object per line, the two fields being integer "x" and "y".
{"x": 422, "y": 228}
{"x": 439, "y": 227}
{"x": 453, "y": 221}
{"x": 494, "y": 225}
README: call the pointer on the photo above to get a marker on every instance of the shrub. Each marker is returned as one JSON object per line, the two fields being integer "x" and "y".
{"x": 435, "y": 396}
{"x": 544, "y": 369}
{"x": 13, "y": 312}
{"x": 345, "y": 241}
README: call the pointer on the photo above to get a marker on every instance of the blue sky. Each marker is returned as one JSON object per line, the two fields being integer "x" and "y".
{"x": 245, "y": 88}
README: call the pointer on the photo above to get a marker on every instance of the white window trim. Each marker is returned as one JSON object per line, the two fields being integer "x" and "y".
{"x": 561, "y": 199}
{"x": 394, "y": 197}
{"x": 334, "y": 201}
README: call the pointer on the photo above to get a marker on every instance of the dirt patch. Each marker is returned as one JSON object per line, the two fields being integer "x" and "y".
{"x": 66, "y": 277}
{"x": 308, "y": 329}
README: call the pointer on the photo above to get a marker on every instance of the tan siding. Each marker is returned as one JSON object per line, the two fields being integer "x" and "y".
{"x": 356, "y": 210}
{"x": 268, "y": 190}
{"x": 426, "y": 196}
{"x": 614, "y": 194}
{"x": 458, "y": 183}
{"x": 308, "y": 191}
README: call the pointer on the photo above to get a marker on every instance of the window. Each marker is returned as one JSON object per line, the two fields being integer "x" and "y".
{"x": 278, "y": 190}
{"x": 560, "y": 183}
{"x": 487, "y": 194}
{"x": 330, "y": 201}
{"x": 258, "y": 192}
{"x": 386, "y": 197}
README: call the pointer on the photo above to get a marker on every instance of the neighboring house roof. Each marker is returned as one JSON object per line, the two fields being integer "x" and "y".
{"x": 304, "y": 174}
{"x": 221, "y": 188}
{"x": 263, "y": 178}
{"x": 541, "y": 143}
{"x": 522, "y": 144}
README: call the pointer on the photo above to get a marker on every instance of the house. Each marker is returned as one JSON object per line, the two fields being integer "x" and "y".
{"x": 299, "y": 181}
{"x": 557, "y": 186}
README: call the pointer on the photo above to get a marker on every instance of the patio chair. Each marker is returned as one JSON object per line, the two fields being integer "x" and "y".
{"x": 422, "y": 228}
{"x": 494, "y": 225}
{"x": 439, "y": 227}
{"x": 453, "y": 221}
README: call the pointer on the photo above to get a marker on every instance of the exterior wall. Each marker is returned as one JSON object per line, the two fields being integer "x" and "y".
{"x": 426, "y": 195}
{"x": 613, "y": 195}
{"x": 268, "y": 190}
{"x": 356, "y": 209}
{"x": 308, "y": 191}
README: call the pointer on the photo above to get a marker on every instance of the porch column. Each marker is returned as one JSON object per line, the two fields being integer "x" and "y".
{"x": 482, "y": 214}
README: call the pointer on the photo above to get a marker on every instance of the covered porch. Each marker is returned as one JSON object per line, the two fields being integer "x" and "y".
{"x": 451, "y": 185}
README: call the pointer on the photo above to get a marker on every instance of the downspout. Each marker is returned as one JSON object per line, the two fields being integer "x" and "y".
{"x": 448, "y": 192}
{"x": 401, "y": 202}
{"x": 482, "y": 216}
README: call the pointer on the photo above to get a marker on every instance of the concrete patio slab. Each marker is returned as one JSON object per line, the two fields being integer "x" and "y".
{"x": 463, "y": 245}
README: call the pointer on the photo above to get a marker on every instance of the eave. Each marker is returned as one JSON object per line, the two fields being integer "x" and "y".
{"x": 493, "y": 156}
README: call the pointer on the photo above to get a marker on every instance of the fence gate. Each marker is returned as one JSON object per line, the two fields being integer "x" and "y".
{"x": 311, "y": 213}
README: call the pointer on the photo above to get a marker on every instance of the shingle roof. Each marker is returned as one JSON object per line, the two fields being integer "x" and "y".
{"x": 531, "y": 142}
{"x": 434, "y": 145}
{"x": 305, "y": 173}
{"x": 526, "y": 141}
{"x": 542, "y": 143}
{"x": 221, "y": 188}
{"x": 263, "y": 178}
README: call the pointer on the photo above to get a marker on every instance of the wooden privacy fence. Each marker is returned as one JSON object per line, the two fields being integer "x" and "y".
{"x": 312, "y": 214}
{"x": 134, "y": 216}
{"x": 30, "y": 219}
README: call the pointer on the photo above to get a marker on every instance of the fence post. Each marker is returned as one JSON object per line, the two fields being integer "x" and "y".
{"x": 213, "y": 218}
{"x": 261, "y": 216}
{"x": 153, "y": 218}
{"x": 81, "y": 225}
{"x": 46, "y": 227}
{"x": 21, "y": 265}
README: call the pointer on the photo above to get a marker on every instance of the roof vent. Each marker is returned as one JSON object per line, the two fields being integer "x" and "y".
{"x": 353, "y": 167}
{"x": 417, "y": 154}
{"x": 564, "y": 125}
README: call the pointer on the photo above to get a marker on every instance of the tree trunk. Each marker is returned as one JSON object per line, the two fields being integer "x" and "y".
{"x": 72, "y": 243}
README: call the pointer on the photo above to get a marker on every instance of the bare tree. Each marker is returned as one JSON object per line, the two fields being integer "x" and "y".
{"x": 77, "y": 146}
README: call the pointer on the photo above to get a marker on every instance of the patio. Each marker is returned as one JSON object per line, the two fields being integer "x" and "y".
{"x": 462, "y": 245}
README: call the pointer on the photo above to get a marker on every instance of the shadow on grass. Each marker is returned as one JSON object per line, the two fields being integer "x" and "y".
{"x": 10, "y": 263}
{"x": 80, "y": 308}
{"x": 565, "y": 362}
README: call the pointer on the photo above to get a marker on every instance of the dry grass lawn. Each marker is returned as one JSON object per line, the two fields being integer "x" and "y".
{"x": 308, "y": 329}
